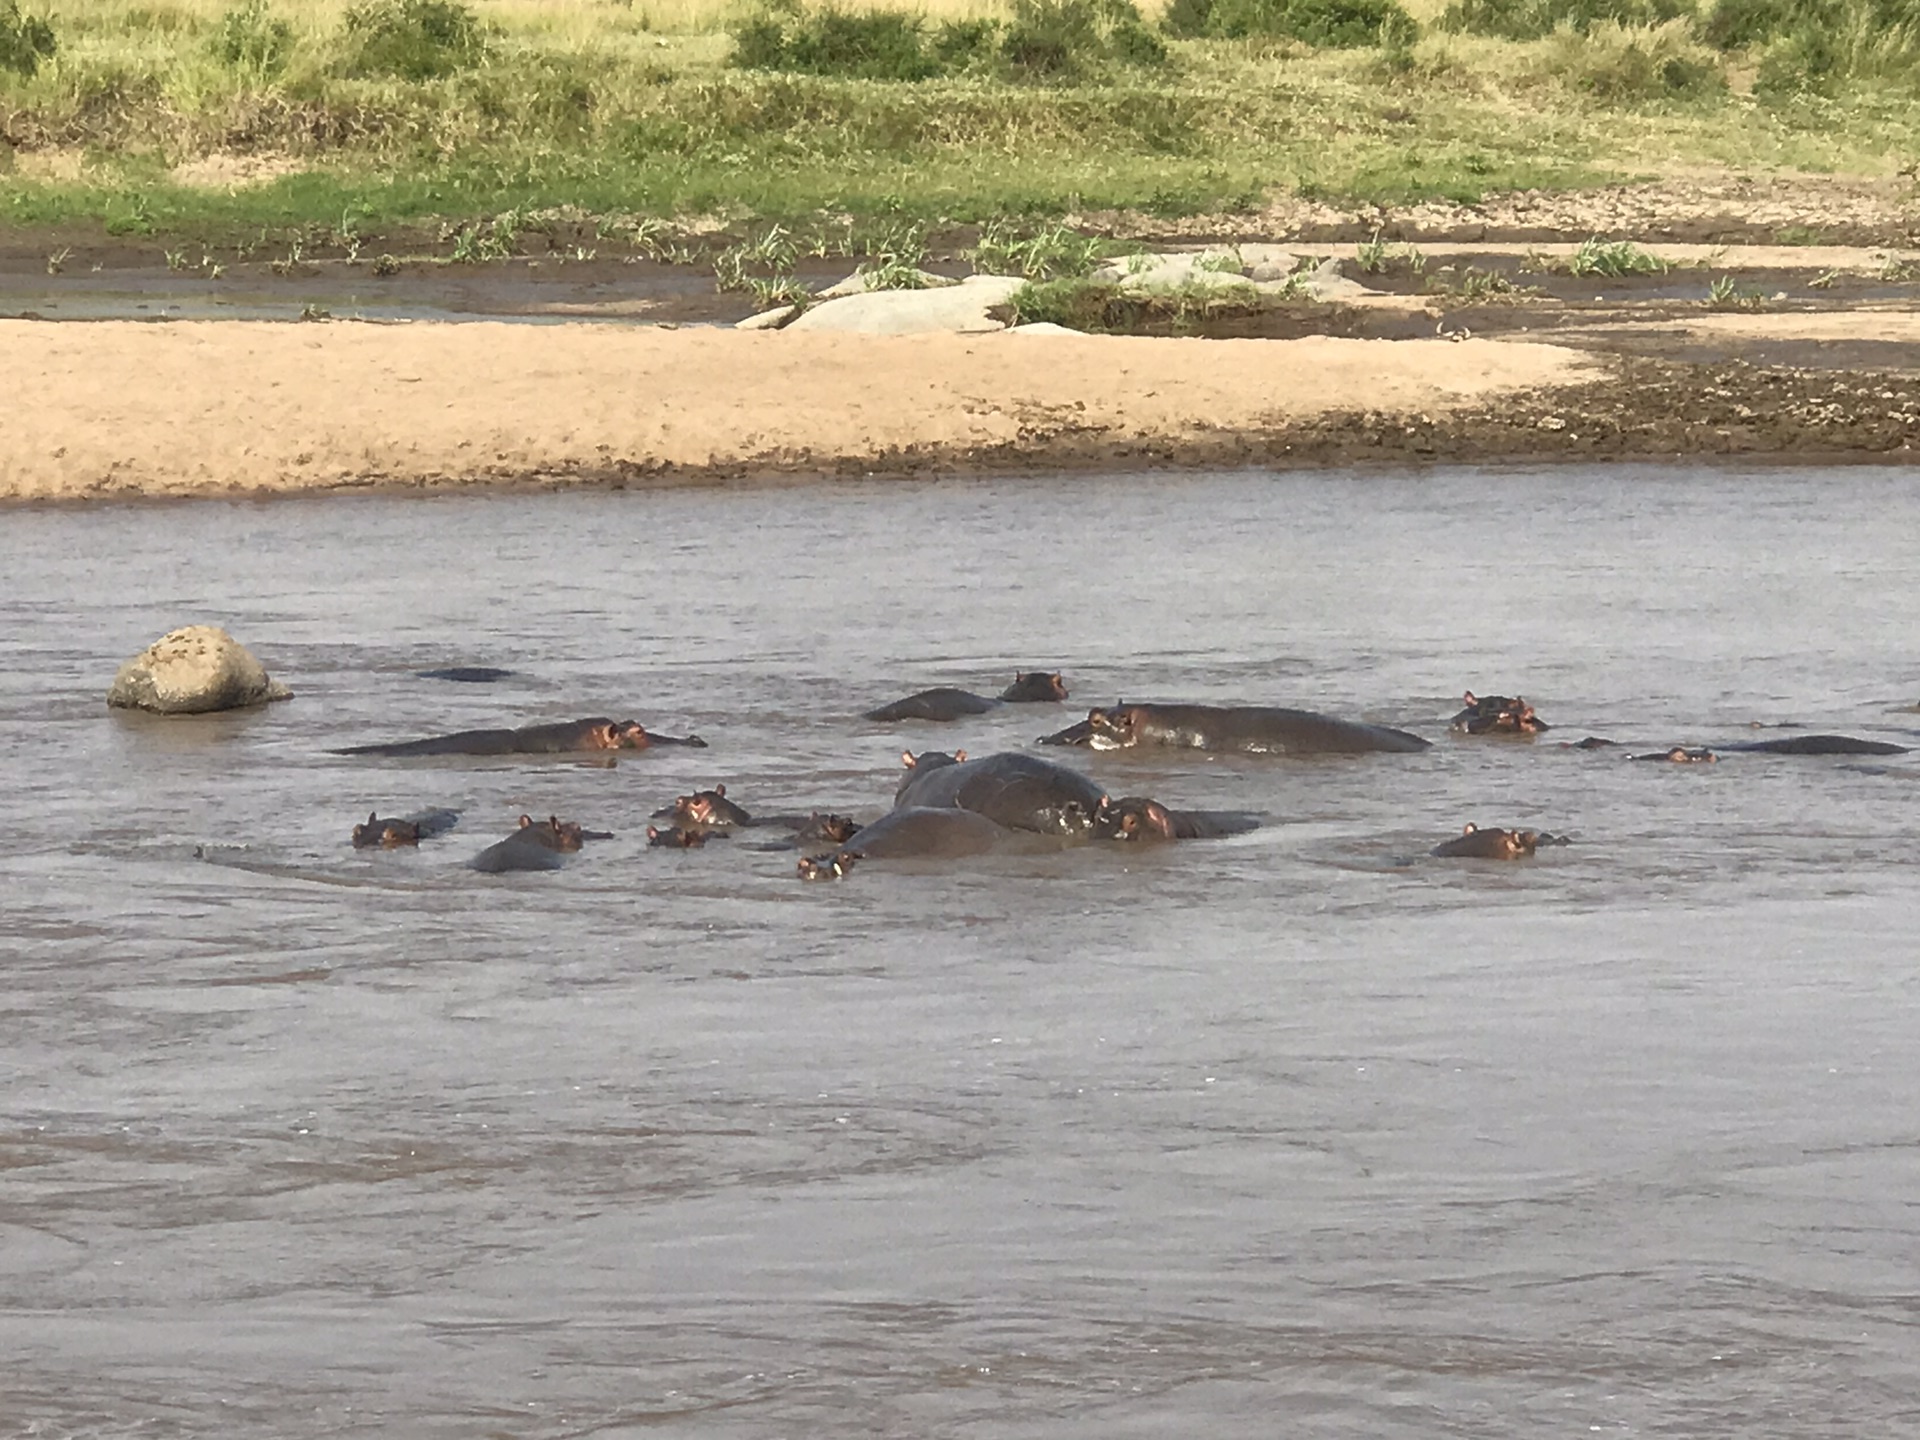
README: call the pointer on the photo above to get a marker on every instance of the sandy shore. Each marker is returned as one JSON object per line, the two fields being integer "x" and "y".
{"x": 217, "y": 408}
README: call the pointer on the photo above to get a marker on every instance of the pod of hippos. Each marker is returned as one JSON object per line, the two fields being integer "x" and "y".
{"x": 946, "y": 805}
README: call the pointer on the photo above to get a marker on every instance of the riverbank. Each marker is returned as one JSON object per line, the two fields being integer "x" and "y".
{"x": 125, "y": 409}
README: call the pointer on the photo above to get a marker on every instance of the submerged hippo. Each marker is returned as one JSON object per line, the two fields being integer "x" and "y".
{"x": 1497, "y": 715}
{"x": 564, "y": 738}
{"x": 1247, "y": 729}
{"x": 947, "y": 703}
{"x": 1592, "y": 742}
{"x": 1680, "y": 755}
{"x": 1137, "y": 818}
{"x": 712, "y": 810}
{"x": 1014, "y": 790}
{"x": 831, "y": 866}
{"x": 466, "y": 674}
{"x": 677, "y": 838}
{"x": 1820, "y": 745}
{"x": 1473, "y": 843}
{"x": 536, "y": 845}
{"x": 392, "y": 834}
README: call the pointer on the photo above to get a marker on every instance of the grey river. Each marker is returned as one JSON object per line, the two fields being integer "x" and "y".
{"x": 1296, "y": 1134}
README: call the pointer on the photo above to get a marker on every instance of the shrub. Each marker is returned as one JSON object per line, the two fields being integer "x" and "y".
{"x": 1814, "y": 45}
{"x": 1533, "y": 19}
{"x": 960, "y": 43}
{"x": 1625, "y": 64}
{"x": 25, "y": 40}
{"x": 414, "y": 39}
{"x": 1329, "y": 24}
{"x": 865, "y": 44}
{"x": 1069, "y": 38}
{"x": 251, "y": 37}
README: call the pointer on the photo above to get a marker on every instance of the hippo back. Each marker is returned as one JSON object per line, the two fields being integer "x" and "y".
{"x": 918, "y": 832}
{"x": 1014, "y": 790}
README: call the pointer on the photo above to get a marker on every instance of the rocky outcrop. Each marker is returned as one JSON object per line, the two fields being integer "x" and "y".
{"x": 192, "y": 671}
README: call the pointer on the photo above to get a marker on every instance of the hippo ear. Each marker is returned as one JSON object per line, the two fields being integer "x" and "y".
{"x": 1470, "y": 829}
{"x": 721, "y": 791}
{"x": 1468, "y": 699}
{"x": 525, "y": 821}
{"x": 554, "y": 821}
{"x": 906, "y": 759}
{"x": 653, "y": 832}
{"x": 959, "y": 757}
{"x": 373, "y": 817}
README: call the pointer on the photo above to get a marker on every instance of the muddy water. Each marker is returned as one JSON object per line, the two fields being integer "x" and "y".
{"x": 1292, "y": 1133}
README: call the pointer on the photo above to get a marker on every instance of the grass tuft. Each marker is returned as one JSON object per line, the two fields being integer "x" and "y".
{"x": 413, "y": 39}
{"x": 25, "y": 40}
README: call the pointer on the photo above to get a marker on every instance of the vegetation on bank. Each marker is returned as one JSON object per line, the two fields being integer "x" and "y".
{"x": 384, "y": 111}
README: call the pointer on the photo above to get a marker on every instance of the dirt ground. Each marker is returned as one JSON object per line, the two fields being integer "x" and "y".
{"x": 558, "y": 369}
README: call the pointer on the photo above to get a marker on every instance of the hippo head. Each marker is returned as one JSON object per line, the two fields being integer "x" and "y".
{"x": 833, "y": 829}
{"x": 1102, "y": 729}
{"x": 918, "y": 765}
{"x": 385, "y": 834}
{"x": 704, "y": 808}
{"x": 615, "y": 735}
{"x": 1133, "y": 818}
{"x": 553, "y": 832}
{"x": 826, "y": 867}
{"x": 632, "y": 735}
{"x": 675, "y": 838}
{"x": 1035, "y": 685}
{"x": 931, "y": 760}
{"x": 1498, "y": 715}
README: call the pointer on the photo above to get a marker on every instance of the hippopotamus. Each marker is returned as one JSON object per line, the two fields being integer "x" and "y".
{"x": 1592, "y": 742}
{"x": 947, "y": 703}
{"x": 1497, "y": 715}
{"x": 1820, "y": 745}
{"x": 536, "y": 845}
{"x": 677, "y": 838}
{"x": 564, "y": 738}
{"x": 819, "y": 828}
{"x": 831, "y": 866}
{"x": 1247, "y": 729}
{"x": 392, "y": 834}
{"x": 466, "y": 674}
{"x": 712, "y": 810}
{"x": 1014, "y": 790}
{"x": 1137, "y": 818}
{"x": 1680, "y": 755}
{"x": 1473, "y": 843}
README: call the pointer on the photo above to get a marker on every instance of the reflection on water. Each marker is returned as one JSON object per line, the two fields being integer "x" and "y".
{"x": 1294, "y": 1131}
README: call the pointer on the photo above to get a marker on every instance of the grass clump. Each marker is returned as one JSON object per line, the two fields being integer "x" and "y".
{"x": 413, "y": 39}
{"x": 1044, "y": 39}
{"x": 1324, "y": 24}
{"x": 250, "y": 38}
{"x": 1050, "y": 253}
{"x": 1075, "y": 39}
{"x": 859, "y": 44}
{"x": 1620, "y": 257}
{"x": 25, "y": 40}
{"x": 1628, "y": 64}
{"x": 1535, "y": 19}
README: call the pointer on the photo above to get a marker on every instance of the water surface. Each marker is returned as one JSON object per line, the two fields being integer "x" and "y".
{"x": 1293, "y": 1133}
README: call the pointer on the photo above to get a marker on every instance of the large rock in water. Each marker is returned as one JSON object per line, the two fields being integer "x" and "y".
{"x": 191, "y": 671}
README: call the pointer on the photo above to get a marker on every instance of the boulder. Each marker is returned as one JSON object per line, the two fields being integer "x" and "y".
{"x": 861, "y": 283}
{"x": 191, "y": 671}
{"x": 769, "y": 319}
{"x": 962, "y": 309}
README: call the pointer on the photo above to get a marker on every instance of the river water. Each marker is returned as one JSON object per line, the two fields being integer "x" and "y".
{"x": 1299, "y": 1133}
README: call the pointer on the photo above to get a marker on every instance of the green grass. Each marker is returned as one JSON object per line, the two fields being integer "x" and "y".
{"x": 419, "y": 112}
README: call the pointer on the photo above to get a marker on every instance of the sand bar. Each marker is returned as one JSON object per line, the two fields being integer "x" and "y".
{"x": 131, "y": 408}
